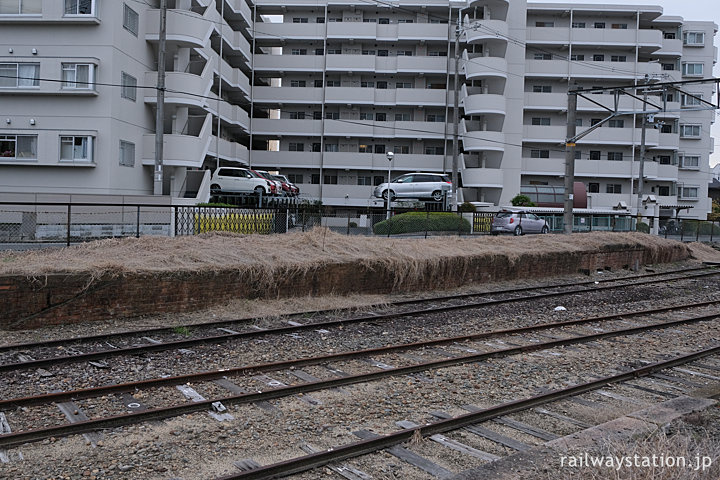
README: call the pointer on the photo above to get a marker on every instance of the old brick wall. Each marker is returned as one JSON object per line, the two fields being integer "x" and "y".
{"x": 29, "y": 302}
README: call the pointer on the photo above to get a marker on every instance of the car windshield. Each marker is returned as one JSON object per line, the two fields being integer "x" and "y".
{"x": 504, "y": 214}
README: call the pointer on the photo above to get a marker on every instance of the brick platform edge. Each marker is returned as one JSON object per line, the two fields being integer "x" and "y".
{"x": 544, "y": 461}
{"x": 30, "y": 302}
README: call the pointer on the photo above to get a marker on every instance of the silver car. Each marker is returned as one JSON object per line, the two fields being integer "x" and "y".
{"x": 518, "y": 222}
{"x": 415, "y": 185}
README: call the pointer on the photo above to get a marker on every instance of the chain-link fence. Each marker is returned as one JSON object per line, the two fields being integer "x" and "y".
{"x": 687, "y": 230}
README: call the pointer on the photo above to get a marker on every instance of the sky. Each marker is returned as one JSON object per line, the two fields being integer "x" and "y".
{"x": 707, "y": 10}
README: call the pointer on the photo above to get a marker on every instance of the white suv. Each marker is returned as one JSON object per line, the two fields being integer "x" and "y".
{"x": 238, "y": 180}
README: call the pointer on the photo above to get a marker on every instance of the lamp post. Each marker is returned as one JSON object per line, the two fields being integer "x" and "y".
{"x": 389, "y": 156}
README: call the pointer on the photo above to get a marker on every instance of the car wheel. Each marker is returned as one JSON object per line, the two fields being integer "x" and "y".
{"x": 437, "y": 195}
{"x": 545, "y": 229}
{"x": 385, "y": 195}
{"x": 259, "y": 191}
{"x": 494, "y": 234}
{"x": 215, "y": 189}
{"x": 518, "y": 231}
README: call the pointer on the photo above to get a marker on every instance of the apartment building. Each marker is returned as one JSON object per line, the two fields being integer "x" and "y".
{"x": 321, "y": 91}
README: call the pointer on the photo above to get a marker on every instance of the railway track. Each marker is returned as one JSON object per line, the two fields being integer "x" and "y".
{"x": 618, "y": 344}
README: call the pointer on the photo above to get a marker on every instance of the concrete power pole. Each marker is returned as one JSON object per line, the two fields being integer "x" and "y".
{"x": 570, "y": 163}
{"x": 456, "y": 114}
{"x": 641, "y": 169}
{"x": 160, "y": 110}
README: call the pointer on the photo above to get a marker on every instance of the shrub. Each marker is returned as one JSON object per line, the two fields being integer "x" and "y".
{"x": 643, "y": 227}
{"x": 421, "y": 221}
{"x": 225, "y": 205}
{"x": 522, "y": 201}
{"x": 352, "y": 225}
{"x": 466, "y": 207}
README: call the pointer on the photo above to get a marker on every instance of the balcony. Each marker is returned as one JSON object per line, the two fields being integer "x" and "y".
{"x": 600, "y": 136}
{"x": 235, "y": 78}
{"x": 488, "y": 30}
{"x": 290, "y": 63}
{"x": 184, "y": 28}
{"x": 669, "y": 141}
{"x": 484, "y": 104}
{"x": 230, "y": 151}
{"x": 281, "y": 95}
{"x": 483, "y": 177}
{"x": 273, "y": 33}
{"x": 351, "y": 63}
{"x": 347, "y": 160}
{"x": 479, "y": 67}
{"x": 287, "y": 127}
{"x": 671, "y": 47}
{"x": 180, "y": 150}
{"x": 181, "y": 88}
{"x": 606, "y": 37}
{"x": 591, "y": 70}
{"x": 481, "y": 140}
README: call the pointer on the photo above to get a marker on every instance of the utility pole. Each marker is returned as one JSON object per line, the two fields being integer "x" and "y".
{"x": 570, "y": 163}
{"x": 217, "y": 138}
{"x": 641, "y": 169}
{"x": 160, "y": 110}
{"x": 456, "y": 114}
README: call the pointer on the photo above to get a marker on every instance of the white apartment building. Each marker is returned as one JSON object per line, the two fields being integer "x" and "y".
{"x": 320, "y": 91}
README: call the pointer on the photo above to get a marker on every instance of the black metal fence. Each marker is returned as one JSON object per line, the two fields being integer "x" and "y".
{"x": 24, "y": 224}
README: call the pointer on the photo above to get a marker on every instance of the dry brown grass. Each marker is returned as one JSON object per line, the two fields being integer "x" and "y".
{"x": 263, "y": 255}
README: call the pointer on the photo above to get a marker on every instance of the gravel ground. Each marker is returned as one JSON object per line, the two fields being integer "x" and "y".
{"x": 171, "y": 448}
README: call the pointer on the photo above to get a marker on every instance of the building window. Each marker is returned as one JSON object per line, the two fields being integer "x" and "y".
{"x": 366, "y": 116}
{"x": 690, "y": 131}
{"x": 77, "y": 75}
{"x": 578, "y": 155}
{"x": 303, "y": 20}
{"x": 689, "y": 193}
{"x": 669, "y": 35}
{"x": 578, "y": 24}
{"x": 383, "y": 53}
{"x": 296, "y": 147}
{"x": 434, "y": 150}
{"x": 21, "y": 7}
{"x": 402, "y": 117}
{"x": 382, "y": 85}
{"x": 318, "y": 83}
{"x": 298, "y": 51}
{"x": 542, "y": 89}
{"x": 364, "y": 180}
{"x": 594, "y": 155}
{"x": 545, "y": 121}
{"x": 595, "y": 121}
{"x": 404, "y": 53}
{"x": 367, "y": 84}
{"x": 406, "y": 21}
{"x": 381, "y": 117}
{"x": 615, "y": 156}
{"x": 690, "y": 161}
{"x": 316, "y": 147}
{"x": 319, "y": 20}
{"x": 130, "y": 20}
{"x": 593, "y": 188}
{"x": 319, "y": 51}
{"x": 333, "y": 83}
{"x": 297, "y": 115}
{"x": 619, "y": 26}
{"x": 692, "y": 69}
{"x": 577, "y": 58}
{"x": 19, "y": 75}
{"x": 315, "y": 179}
{"x": 618, "y": 58}
{"x": 295, "y": 177}
{"x": 544, "y": 24}
{"x": 542, "y": 56}
{"x": 317, "y": 115}
{"x": 536, "y": 153}
{"x": 664, "y": 159}
{"x": 690, "y": 100}
{"x": 79, "y": 7}
{"x": 127, "y": 154}
{"x": 297, "y": 83}
{"x": 696, "y": 39}
{"x": 598, "y": 57}
{"x": 18, "y": 147}
{"x": 384, "y": 21}
{"x": 664, "y": 191}
{"x": 334, "y": 20}
{"x": 599, "y": 25}
{"x": 76, "y": 149}
{"x": 332, "y": 115}
{"x": 368, "y": 52}
{"x": 363, "y": 148}
{"x": 439, "y": 53}
{"x": 129, "y": 87}
{"x": 331, "y": 147}
{"x": 334, "y": 51}
{"x": 330, "y": 179}
{"x": 578, "y": 122}
{"x": 613, "y": 188}
{"x": 369, "y": 20}
{"x": 616, "y": 123}
{"x": 667, "y": 66}
{"x": 401, "y": 149}
{"x": 380, "y": 148}
{"x": 666, "y": 128}
{"x": 434, "y": 117}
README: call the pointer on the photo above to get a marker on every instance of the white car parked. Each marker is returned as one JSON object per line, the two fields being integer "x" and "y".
{"x": 416, "y": 185}
{"x": 238, "y": 180}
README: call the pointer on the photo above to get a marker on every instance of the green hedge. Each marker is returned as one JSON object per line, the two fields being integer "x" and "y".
{"x": 421, "y": 221}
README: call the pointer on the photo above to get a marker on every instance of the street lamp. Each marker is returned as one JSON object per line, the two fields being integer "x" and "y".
{"x": 389, "y": 156}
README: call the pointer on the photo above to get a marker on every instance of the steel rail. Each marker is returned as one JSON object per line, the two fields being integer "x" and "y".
{"x": 110, "y": 336}
{"x": 33, "y": 435}
{"x": 344, "y": 452}
{"x": 304, "y": 362}
{"x": 217, "y": 339}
